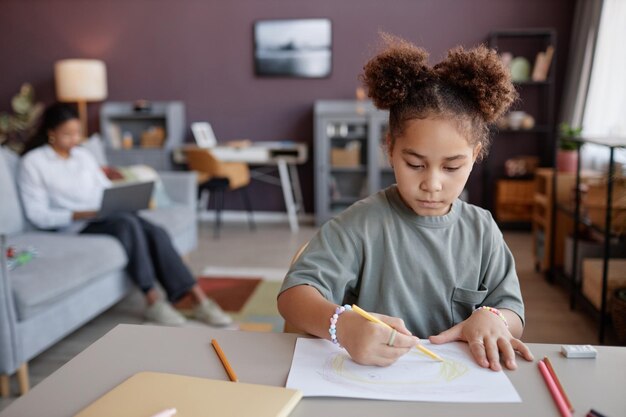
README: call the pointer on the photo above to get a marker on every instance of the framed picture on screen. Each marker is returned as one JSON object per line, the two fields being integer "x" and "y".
{"x": 293, "y": 48}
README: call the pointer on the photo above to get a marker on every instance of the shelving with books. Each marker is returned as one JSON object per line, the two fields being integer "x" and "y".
{"x": 348, "y": 136}
{"x": 144, "y": 135}
{"x": 528, "y": 129}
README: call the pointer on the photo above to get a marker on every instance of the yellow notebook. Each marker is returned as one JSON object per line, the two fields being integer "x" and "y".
{"x": 146, "y": 393}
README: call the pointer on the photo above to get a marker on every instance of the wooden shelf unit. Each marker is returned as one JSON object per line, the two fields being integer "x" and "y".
{"x": 542, "y": 217}
{"x": 514, "y": 200}
{"x": 537, "y": 98}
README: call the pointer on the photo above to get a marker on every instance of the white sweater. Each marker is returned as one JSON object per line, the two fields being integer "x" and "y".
{"x": 52, "y": 188}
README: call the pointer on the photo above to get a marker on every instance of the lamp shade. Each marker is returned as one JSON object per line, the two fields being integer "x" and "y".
{"x": 80, "y": 80}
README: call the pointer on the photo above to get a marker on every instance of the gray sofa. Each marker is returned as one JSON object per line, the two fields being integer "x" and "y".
{"x": 73, "y": 278}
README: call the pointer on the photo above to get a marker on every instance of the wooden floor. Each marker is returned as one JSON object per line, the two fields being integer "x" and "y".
{"x": 548, "y": 317}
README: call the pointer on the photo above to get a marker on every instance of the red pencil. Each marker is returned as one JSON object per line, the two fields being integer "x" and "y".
{"x": 559, "y": 401}
{"x": 557, "y": 382}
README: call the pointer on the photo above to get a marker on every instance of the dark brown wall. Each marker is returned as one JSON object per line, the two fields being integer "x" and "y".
{"x": 201, "y": 52}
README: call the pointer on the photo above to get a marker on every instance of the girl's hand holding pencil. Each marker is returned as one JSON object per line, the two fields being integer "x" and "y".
{"x": 369, "y": 343}
{"x": 393, "y": 334}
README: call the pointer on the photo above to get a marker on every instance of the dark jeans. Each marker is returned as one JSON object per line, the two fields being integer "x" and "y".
{"x": 151, "y": 255}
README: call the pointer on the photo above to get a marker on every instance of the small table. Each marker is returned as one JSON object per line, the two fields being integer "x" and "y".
{"x": 265, "y": 358}
{"x": 266, "y": 157}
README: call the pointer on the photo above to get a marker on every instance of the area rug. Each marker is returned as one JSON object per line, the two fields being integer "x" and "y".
{"x": 251, "y": 301}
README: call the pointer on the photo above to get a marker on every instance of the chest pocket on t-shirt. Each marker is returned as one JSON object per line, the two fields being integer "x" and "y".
{"x": 464, "y": 301}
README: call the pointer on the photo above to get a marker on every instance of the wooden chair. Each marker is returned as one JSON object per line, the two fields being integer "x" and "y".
{"x": 217, "y": 177}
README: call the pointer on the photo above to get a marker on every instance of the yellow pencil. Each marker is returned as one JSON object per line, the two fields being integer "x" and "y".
{"x": 368, "y": 316}
{"x": 222, "y": 356}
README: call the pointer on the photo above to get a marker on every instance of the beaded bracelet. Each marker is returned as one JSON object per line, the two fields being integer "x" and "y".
{"x": 494, "y": 311}
{"x": 333, "y": 323}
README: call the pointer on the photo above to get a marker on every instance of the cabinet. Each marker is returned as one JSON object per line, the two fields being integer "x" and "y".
{"x": 542, "y": 220}
{"x": 145, "y": 136}
{"x": 350, "y": 162}
{"x": 604, "y": 227}
{"x": 533, "y": 138}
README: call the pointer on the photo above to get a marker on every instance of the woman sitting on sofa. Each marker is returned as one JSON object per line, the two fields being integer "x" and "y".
{"x": 61, "y": 186}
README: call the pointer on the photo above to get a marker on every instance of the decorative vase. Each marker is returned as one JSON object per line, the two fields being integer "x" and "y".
{"x": 566, "y": 161}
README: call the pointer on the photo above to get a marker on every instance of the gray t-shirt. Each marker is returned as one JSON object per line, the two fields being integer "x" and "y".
{"x": 430, "y": 271}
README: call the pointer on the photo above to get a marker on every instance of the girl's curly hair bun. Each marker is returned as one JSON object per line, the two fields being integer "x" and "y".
{"x": 394, "y": 74}
{"x": 481, "y": 75}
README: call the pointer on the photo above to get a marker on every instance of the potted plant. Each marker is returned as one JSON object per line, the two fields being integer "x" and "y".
{"x": 567, "y": 155}
{"x": 17, "y": 128}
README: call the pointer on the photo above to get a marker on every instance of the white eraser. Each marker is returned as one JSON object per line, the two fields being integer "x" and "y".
{"x": 578, "y": 351}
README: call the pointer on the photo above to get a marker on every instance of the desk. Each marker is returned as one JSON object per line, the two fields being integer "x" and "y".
{"x": 265, "y": 358}
{"x": 267, "y": 156}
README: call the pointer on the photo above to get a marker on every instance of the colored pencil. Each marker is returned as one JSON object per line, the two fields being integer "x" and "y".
{"x": 558, "y": 383}
{"x": 371, "y": 318}
{"x": 556, "y": 394}
{"x": 225, "y": 363}
{"x": 594, "y": 413}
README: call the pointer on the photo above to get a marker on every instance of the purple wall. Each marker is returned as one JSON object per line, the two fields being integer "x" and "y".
{"x": 201, "y": 52}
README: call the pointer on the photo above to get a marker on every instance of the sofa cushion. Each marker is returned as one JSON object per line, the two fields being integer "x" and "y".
{"x": 176, "y": 219}
{"x": 95, "y": 145}
{"x": 11, "y": 220}
{"x": 64, "y": 263}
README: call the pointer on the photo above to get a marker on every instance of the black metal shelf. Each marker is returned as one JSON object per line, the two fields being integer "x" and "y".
{"x": 585, "y": 304}
{"x": 575, "y": 211}
{"x": 570, "y": 211}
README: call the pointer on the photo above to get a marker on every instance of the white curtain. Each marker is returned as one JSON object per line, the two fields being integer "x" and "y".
{"x": 605, "y": 107}
{"x": 581, "y": 51}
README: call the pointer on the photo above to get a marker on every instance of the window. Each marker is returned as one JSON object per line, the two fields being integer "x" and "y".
{"x": 605, "y": 109}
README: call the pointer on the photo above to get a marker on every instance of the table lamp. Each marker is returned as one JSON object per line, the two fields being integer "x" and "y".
{"x": 80, "y": 80}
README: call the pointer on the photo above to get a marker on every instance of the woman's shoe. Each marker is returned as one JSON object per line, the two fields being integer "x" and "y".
{"x": 209, "y": 312}
{"x": 161, "y": 312}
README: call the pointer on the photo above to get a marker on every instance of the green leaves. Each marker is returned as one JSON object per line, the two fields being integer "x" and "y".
{"x": 567, "y": 131}
{"x": 17, "y": 128}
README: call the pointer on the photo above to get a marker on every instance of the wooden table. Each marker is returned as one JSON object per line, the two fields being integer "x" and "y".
{"x": 265, "y": 358}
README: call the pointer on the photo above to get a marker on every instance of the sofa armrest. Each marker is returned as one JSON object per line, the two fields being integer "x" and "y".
{"x": 9, "y": 342}
{"x": 181, "y": 186}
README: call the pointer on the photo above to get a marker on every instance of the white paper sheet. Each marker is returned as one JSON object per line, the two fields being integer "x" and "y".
{"x": 320, "y": 368}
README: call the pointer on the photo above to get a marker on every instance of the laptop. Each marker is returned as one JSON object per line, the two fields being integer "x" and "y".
{"x": 128, "y": 197}
{"x": 204, "y": 135}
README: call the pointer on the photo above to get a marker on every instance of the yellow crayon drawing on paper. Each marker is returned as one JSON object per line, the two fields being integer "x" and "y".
{"x": 320, "y": 368}
{"x": 447, "y": 371}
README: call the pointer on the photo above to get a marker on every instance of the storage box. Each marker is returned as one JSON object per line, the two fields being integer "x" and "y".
{"x": 592, "y": 279}
{"x": 153, "y": 137}
{"x": 595, "y": 204}
{"x": 588, "y": 249}
{"x": 514, "y": 200}
{"x": 348, "y": 157}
